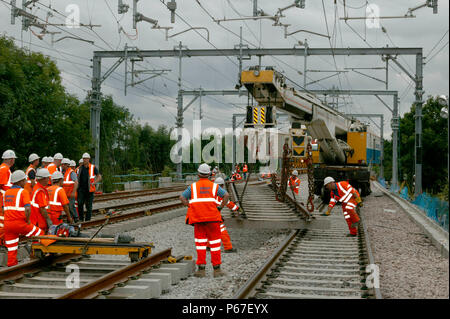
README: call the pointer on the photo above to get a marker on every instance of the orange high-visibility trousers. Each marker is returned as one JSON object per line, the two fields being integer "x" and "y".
{"x": 351, "y": 217}
{"x": 226, "y": 241}
{"x": 207, "y": 233}
{"x": 13, "y": 229}
{"x": 225, "y": 237}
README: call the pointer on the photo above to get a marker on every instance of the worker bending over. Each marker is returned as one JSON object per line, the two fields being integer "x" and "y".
{"x": 58, "y": 200}
{"x": 350, "y": 199}
{"x": 294, "y": 182}
{"x": 16, "y": 203}
{"x": 235, "y": 177}
{"x": 204, "y": 215}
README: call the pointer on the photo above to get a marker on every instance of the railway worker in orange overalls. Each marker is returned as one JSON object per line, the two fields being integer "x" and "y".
{"x": 33, "y": 159}
{"x": 235, "y": 177}
{"x": 294, "y": 182}
{"x": 39, "y": 201}
{"x": 58, "y": 201}
{"x": 204, "y": 215}
{"x": 16, "y": 203}
{"x": 350, "y": 199}
{"x": 9, "y": 158}
{"x": 245, "y": 170}
{"x": 226, "y": 241}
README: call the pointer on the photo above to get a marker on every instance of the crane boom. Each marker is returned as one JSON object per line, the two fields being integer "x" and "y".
{"x": 268, "y": 87}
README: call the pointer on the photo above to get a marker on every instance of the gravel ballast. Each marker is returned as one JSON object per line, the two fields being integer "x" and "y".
{"x": 253, "y": 248}
{"x": 410, "y": 266}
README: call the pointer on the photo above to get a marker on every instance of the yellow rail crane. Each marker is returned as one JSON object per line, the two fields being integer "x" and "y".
{"x": 342, "y": 147}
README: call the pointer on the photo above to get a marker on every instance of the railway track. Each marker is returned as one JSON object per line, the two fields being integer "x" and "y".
{"x": 136, "y": 212}
{"x": 136, "y": 193}
{"x": 96, "y": 278}
{"x": 316, "y": 264}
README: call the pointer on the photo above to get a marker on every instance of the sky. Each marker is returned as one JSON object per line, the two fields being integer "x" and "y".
{"x": 154, "y": 101}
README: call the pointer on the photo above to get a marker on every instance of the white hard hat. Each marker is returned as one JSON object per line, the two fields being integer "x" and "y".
{"x": 42, "y": 173}
{"x": 80, "y": 161}
{"x": 328, "y": 180}
{"x": 72, "y": 163}
{"x": 17, "y": 176}
{"x": 58, "y": 156}
{"x": 45, "y": 159}
{"x": 50, "y": 159}
{"x": 295, "y": 173}
{"x": 204, "y": 169}
{"x": 86, "y": 155}
{"x": 33, "y": 157}
{"x": 65, "y": 161}
{"x": 219, "y": 180}
{"x": 57, "y": 175}
{"x": 9, "y": 154}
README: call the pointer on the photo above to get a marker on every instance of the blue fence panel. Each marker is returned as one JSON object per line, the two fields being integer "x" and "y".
{"x": 435, "y": 208}
{"x": 404, "y": 193}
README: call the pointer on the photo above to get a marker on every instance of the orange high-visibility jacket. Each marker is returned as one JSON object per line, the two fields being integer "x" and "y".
{"x": 57, "y": 199}
{"x": 202, "y": 205}
{"x": 5, "y": 184}
{"x": 14, "y": 202}
{"x": 294, "y": 182}
{"x": 68, "y": 183}
{"x": 51, "y": 168}
{"x": 28, "y": 185}
{"x": 91, "y": 178}
{"x": 39, "y": 199}
{"x": 346, "y": 194}
{"x": 245, "y": 169}
{"x": 5, "y": 178}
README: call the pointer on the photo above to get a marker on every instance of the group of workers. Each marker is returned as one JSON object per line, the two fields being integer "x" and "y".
{"x": 205, "y": 200}
{"x": 33, "y": 201}
{"x": 235, "y": 174}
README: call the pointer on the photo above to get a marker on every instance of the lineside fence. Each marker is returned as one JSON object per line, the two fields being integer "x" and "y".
{"x": 435, "y": 208}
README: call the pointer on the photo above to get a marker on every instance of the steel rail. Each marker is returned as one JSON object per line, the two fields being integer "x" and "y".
{"x": 137, "y": 193}
{"x": 368, "y": 249}
{"x": 246, "y": 290}
{"x": 34, "y": 265}
{"x": 135, "y": 203}
{"x": 130, "y": 215}
{"x": 110, "y": 280}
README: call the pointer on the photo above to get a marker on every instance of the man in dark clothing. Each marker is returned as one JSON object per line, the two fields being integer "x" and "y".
{"x": 88, "y": 176}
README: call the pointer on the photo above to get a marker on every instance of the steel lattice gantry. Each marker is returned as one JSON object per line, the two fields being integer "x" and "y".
{"x": 181, "y": 51}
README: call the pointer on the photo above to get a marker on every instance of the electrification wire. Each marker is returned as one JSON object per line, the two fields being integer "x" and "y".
{"x": 431, "y": 58}
{"x": 437, "y": 43}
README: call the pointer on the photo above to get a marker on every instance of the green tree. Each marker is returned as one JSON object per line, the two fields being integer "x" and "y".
{"x": 37, "y": 114}
{"x": 434, "y": 148}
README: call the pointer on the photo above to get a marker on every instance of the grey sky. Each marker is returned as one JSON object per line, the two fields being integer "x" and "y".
{"x": 154, "y": 102}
